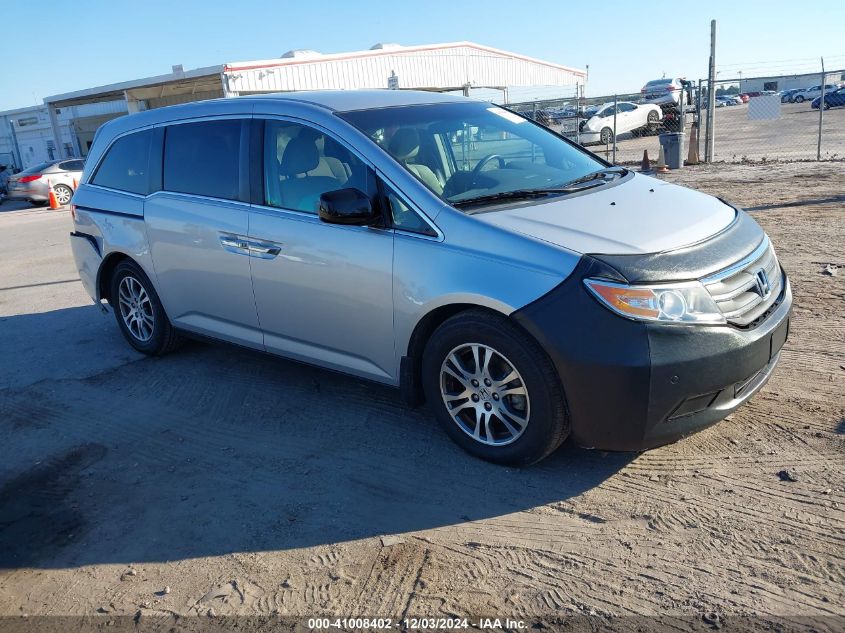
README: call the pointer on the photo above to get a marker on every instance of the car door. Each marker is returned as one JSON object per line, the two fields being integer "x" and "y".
{"x": 627, "y": 117}
{"x": 197, "y": 223}
{"x": 323, "y": 291}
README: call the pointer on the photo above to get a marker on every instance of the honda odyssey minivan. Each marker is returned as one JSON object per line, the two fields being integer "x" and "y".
{"x": 524, "y": 288}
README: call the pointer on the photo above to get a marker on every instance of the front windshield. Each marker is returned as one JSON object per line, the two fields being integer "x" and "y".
{"x": 472, "y": 150}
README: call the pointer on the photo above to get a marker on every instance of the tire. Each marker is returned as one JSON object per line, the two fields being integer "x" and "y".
{"x": 652, "y": 122}
{"x": 151, "y": 333}
{"x": 798, "y": 99}
{"x": 537, "y": 422}
{"x": 606, "y": 136}
{"x": 63, "y": 194}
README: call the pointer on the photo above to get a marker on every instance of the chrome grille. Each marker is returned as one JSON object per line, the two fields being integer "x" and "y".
{"x": 745, "y": 290}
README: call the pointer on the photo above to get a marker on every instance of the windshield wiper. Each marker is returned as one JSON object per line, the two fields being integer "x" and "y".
{"x": 596, "y": 175}
{"x": 527, "y": 194}
{"x": 518, "y": 194}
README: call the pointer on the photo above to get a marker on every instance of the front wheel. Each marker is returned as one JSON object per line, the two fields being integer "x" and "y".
{"x": 494, "y": 390}
{"x": 798, "y": 99}
{"x": 139, "y": 313}
{"x": 606, "y": 136}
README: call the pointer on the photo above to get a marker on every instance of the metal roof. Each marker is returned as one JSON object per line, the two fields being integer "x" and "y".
{"x": 392, "y": 49}
{"x": 117, "y": 90}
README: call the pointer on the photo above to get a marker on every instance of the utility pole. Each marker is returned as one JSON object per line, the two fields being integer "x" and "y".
{"x": 821, "y": 116}
{"x": 711, "y": 95}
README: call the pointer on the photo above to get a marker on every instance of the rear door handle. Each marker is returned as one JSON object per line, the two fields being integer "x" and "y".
{"x": 234, "y": 244}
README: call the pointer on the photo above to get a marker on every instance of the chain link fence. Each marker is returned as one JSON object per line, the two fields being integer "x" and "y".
{"x": 755, "y": 119}
{"x": 777, "y": 119}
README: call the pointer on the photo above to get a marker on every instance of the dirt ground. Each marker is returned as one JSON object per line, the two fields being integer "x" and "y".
{"x": 217, "y": 481}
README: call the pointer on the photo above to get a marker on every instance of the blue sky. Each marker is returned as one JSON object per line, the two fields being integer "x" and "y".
{"x": 63, "y": 47}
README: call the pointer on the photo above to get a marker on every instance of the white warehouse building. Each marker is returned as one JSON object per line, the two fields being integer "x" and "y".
{"x": 67, "y": 122}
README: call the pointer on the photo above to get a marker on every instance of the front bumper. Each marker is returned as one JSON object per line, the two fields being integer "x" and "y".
{"x": 632, "y": 385}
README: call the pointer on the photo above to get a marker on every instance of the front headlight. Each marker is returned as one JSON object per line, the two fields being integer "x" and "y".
{"x": 687, "y": 302}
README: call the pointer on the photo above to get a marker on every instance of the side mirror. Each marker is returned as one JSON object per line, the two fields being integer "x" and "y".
{"x": 347, "y": 206}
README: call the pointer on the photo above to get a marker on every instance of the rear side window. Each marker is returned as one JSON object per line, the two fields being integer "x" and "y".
{"x": 125, "y": 166}
{"x": 72, "y": 165}
{"x": 203, "y": 158}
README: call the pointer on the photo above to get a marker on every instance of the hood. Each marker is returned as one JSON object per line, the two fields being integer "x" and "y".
{"x": 637, "y": 215}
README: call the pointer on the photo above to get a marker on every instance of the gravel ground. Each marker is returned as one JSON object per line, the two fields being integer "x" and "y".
{"x": 217, "y": 481}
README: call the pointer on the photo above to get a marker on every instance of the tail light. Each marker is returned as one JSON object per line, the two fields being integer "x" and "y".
{"x": 73, "y": 212}
{"x": 29, "y": 178}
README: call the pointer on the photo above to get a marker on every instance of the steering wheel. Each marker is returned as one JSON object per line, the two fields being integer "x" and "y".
{"x": 482, "y": 163}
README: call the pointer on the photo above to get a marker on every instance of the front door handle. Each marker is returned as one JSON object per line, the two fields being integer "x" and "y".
{"x": 265, "y": 251}
{"x": 241, "y": 245}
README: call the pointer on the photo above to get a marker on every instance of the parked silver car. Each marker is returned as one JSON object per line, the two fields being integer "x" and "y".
{"x": 523, "y": 287}
{"x": 33, "y": 184}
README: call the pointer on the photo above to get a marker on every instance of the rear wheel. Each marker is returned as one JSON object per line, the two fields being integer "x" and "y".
{"x": 799, "y": 99}
{"x": 494, "y": 390}
{"x": 652, "y": 122}
{"x": 63, "y": 194}
{"x": 139, "y": 313}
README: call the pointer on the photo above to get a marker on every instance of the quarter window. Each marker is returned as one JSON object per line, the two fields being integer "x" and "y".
{"x": 125, "y": 166}
{"x": 403, "y": 217}
{"x": 302, "y": 163}
{"x": 203, "y": 158}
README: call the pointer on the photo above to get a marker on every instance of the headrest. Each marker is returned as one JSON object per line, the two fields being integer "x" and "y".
{"x": 300, "y": 156}
{"x": 405, "y": 143}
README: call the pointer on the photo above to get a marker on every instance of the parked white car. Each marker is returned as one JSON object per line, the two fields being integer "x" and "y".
{"x": 630, "y": 117}
{"x": 808, "y": 94}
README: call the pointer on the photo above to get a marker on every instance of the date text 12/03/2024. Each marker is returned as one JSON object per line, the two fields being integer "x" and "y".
{"x": 416, "y": 623}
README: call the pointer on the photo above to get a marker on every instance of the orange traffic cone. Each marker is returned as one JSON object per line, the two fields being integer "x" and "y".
{"x": 692, "y": 156}
{"x": 661, "y": 163}
{"x": 54, "y": 203}
{"x": 646, "y": 165}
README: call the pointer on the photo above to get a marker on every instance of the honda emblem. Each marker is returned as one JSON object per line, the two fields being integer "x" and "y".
{"x": 762, "y": 281}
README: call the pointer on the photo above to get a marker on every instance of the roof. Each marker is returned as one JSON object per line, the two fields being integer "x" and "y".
{"x": 392, "y": 49}
{"x": 118, "y": 88}
{"x": 344, "y": 100}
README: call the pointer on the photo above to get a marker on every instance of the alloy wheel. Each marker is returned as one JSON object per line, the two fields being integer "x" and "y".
{"x": 63, "y": 195}
{"x": 136, "y": 309}
{"x": 484, "y": 394}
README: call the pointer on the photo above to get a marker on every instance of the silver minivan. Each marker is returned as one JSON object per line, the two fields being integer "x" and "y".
{"x": 524, "y": 288}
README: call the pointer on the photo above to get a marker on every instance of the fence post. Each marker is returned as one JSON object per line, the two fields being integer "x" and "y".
{"x": 698, "y": 120}
{"x": 711, "y": 95}
{"x": 578, "y": 113}
{"x": 821, "y": 116}
{"x": 615, "y": 107}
